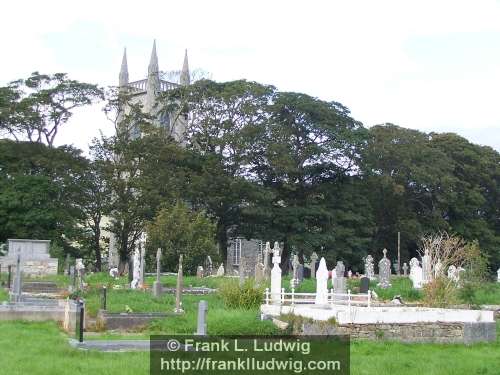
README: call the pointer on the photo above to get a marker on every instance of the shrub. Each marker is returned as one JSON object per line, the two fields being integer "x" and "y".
{"x": 440, "y": 292}
{"x": 247, "y": 296}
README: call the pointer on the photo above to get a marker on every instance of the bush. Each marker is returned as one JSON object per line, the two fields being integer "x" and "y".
{"x": 440, "y": 292}
{"x": 247, "y": 296}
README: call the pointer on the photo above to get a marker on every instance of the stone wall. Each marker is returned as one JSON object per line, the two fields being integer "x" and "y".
{"x": 408, "y": 332}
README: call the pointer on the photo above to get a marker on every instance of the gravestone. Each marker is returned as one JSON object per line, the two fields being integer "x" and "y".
{"x": 314, "y": 260}
{"x": 438, "y": 269}
{"x": 136, "y": 272}
{"x": 9, "y": 279}
{"x": 220, "y": 270}
{"x": 34, "y": 254}
{"x": 208, "y": 266}
{"x": 80, "y": 273}
{"x": 267, "y": 252}
{"x": 405, "y": 269}
{"x": 339, "y": 282}
{"x": 114, "y": 273}
{"x": 72, "y": 279}
{"x": 142, "y": 249}
{"x": 300, "y": 273}
{"x": 201, "y": 328}
{"x": 416, "y": 276}
{"x": 364, "y": 285}
{"x": 66, "y": 264}
{"x": 157, "y": 283}
{"x": 199, "y": 272}
{"x": 113, "y": 256}
{"x": 426, "y": 267}
{"x": 452, "y": 273}
{"x": 369, "y": 267}
{"x": 322, "y": 283}
{"x": 276, "y": 275}
{"x": 259, "y": 273}
{"x": 178, "y": 289}
{"x": 384, "y": 267}
{"x": 498, "y": 275}
{"x": 294, "y": 281}
{"x": 349, "y": 274}
{"x": 16, "y": 293}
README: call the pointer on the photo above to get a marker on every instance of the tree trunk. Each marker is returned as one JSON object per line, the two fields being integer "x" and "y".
{"x": 285, "y": 256}
{"x": 222, "y": 240}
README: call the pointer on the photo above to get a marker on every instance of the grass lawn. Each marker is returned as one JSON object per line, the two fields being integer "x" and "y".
{"x": 41, "y": 349}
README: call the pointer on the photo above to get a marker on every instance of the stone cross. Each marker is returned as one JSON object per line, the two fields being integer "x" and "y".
{"x": 157, "y": 289}
{"x": 405, "y": 269}
{"x": 314, "y": 260}
{"x": 142, "y": 248}
{"x": 369, "y": 267}
{"x": 384, "y": 266}
{"x": 178, "y": 289}
{"x": 426, "y": 267}
{"x": 322, "y": 283}
{"x": 276, "y": 275}
{"x": 80, "y": 272}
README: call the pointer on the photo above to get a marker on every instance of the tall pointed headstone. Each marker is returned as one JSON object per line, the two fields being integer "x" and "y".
{"x": 276, "y": 275}
{"x": 157, "y": 289}
{"x": 384, "y": 271}
{"x": 314, "y": 260}
{"x": 322, "y": 283}
{"x": 178, "y": 289}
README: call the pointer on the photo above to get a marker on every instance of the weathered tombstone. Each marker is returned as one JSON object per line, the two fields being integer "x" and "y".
{"x": 322, "y": 283}
{"x": 201, "y": 328}
{"x": 9, "y": 268}
{"x": 276, "y": 275}
{"x": 142, "y": 249}
{"x": 416, "y": 273}
{"x": 369, "y": 267}
{"x": 66, "y": 264}
{"x": 364, "y": 285}
{"x": 438, "y": 269}
{"x": 80, "y": 273}
{"x": 259, "y": 273}
{"x": 498, "y": 275}
{"x": 114, "y": 273}
{"x": 16, "y": 292}
{"x": 452, "y": 273}
{"x": 199, "y": 272}
{"x": 72, "y": 279}
{"x": 208, "y": 266}
{"x": 314, "y": 260}
{"x": 459, "y": 273}
{"x": 384, "y": 267}
{"x": 405, "y": 269}
{"x": 136, "y": 269}
{"x": 339, "y": 283}
{"x": 267, "y": 252}
{"x": 113, "y": 257}
{"x": 426, "y": 267}
{"x": 295, "y": 265}
{"x": 300, "y": 273}
{"x": 178, "y": 289}
{"x": 157, "y": 283}
{"x": 220, "y": 270}
{"x": 349, "y": 274}
{"x": 241, "y": 272}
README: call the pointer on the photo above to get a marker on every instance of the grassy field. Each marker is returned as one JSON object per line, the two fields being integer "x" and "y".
{"x": 41, "y": 349}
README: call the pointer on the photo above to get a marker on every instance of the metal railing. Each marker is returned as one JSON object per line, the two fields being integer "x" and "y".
{"x": 294, "y": 298}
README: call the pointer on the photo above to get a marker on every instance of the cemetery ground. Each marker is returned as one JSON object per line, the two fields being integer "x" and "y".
{"x": 42, "y": 347}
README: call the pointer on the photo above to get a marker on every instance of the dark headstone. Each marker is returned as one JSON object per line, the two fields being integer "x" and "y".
{"x": 9, "y": 277}
{"x": 300, "y": 273}
{"x": 364, "y": 285}
{"x": 307, "y": 272}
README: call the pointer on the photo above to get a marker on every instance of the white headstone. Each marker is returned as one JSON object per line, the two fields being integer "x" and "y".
{"x": 322, "y": 283}
{"x": 137, "y": 269}
{"x": 220, "y": 270}
{"x": 416, "y": 276}
{"x": 498, "y": 275}
{"x": 276, "y": 276}
{"x": 438, "y": 269}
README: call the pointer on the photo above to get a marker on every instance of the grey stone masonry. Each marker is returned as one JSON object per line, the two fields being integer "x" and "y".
{"x": 36, "y": 260}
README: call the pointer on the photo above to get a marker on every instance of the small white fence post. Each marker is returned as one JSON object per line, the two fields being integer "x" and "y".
{"x": 282, "y": 296}
{"x": 293, "y": 296}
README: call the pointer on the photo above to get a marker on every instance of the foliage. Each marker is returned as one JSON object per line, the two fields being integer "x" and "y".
{"x": 36, "y": 107}
{"x": 440, "y": 292}
{"x": 246, "y": 296}
{"x": 178, "y": 230}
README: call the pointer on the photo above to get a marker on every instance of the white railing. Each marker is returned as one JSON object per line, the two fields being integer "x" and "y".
{"x": 293, "y": 298}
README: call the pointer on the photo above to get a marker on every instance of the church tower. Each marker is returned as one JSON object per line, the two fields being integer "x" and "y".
{"x": 146, "y": 92}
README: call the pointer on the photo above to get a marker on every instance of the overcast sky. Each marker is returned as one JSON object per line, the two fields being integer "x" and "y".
{"x": 428, "y": 65}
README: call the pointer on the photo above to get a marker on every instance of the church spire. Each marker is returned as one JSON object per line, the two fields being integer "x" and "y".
{"x": 123, "y": 77}
{"x": 153, "y": 84}
{"x": 185, "y": 79}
